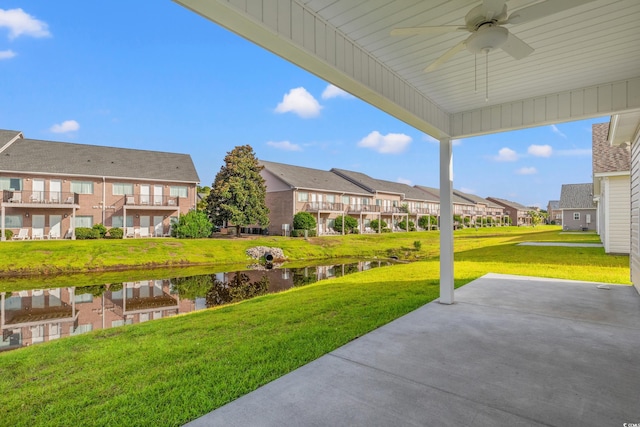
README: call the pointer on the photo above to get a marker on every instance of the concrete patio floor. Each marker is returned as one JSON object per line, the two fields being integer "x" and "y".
{"x": 512, "y": 351}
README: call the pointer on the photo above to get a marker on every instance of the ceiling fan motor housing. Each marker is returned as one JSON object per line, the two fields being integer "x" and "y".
{"x": 487, "y": 38}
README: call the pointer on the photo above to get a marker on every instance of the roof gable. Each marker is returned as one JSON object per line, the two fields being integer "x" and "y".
{"x": 608, "y": 158}
{"x": 577, "y": 196}
{"x": 311, "y": 179}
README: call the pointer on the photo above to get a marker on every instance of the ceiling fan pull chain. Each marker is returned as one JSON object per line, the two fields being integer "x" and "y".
{"x": 486, "y": 97}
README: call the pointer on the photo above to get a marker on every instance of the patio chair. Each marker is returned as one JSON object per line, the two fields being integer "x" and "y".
{"x": 130, "y": 200}
{"x": 144, "y": 232}
{"x": 38, "y": 233}
{"x": 54, "y": 234}
{"x": 68, "y": 234}
{"x": 69, "y": 200}
{"x": 23, "y": 234}
{"x": 16, "y": 198}
{"x": 130, "y": 232}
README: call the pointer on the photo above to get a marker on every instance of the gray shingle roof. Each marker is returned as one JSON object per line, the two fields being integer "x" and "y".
{"x": 378, "y": 185}
{"x": 554, "y": 204}
{"x": 509, "y": 203}
{"x": 7, "y": 135}
{"x": 36, "y": 156}
{"x": 607, "y": 158}
{"x": 577, "y": 196}
{"x": 436, "y": 192}
{"x": 477, "y": 199}
{"x": 311, "y": 179}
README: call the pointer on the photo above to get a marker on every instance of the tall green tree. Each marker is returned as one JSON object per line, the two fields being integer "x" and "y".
{"x": 238, "y": 192}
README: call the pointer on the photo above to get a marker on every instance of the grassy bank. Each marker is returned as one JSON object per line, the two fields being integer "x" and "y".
{"x": 64, "y": 256}
{"x": 173, "y": 370}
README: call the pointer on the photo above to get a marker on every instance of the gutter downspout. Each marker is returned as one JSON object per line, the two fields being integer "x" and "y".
{"x": 104, "y": 198}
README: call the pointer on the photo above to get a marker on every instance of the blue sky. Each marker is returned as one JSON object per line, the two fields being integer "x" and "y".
{"x": 124, "y": 74}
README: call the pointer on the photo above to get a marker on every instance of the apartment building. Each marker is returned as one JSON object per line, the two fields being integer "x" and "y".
{"x": 49, "y": 188}
{"x": 519, "y": 214}
{"x": 484, "y": 211}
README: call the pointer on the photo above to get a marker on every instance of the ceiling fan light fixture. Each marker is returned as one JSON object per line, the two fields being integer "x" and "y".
{"x": 487, "y": 38}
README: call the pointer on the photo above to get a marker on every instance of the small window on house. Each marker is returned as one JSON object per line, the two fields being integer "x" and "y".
{"x": 576, "y": 216}
{"x": 13, "y": 221}
{"x": 365, "y": 201}
{"x": 116, "y": 221}
{"x": 84, "y": 221}
{"x": 345, "y": 199}
{"x": 13, "y": 184}
{"x": 82, "y": 187}
{"x": 178, "y": 191}
{"x": 331, "y": 198}
{"x": 303, "y": 196}
{"x": 121, "y": 189}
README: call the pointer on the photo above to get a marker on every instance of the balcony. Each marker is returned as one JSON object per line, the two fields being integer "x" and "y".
{"x": 359, "y": 208}
{"x": 40, "y": 199}
{"x": 146, "y": 202}
{"x": 324, "y": 207}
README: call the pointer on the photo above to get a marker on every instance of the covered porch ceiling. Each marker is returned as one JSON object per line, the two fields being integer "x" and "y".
{"x": 585, "y": 62}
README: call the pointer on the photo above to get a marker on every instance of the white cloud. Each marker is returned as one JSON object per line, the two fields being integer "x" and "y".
{"x": 557, "y": 131}
{"x": 540, "y": 150}
{"x": 506, "y": 155}
{"x": 66, "y": 126}
{"x": 391, "y": 143}
{"x": 332, "y": 91}
{"x": 527, "y": 171}
{"x": 575, "y": 152}
{"x": 7, "y": 54}
{"x": 300, "y": 102}
{"x": 284, "y": 145}
{"x": 21, "y": 23}
{"x": 404, "y": 181}
{"x": 455, "y": 142}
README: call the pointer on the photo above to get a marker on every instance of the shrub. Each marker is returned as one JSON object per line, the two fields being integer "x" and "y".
{"x": 8, "y": 234}
{"x": 378, "y": 224}
{"x": 300, "y": 233}
{"x": 115, "y": 233}
{"x": 427, "y": 222}
{"x": 85, "y": 233}
{"x": 403, "y": 225}
{"x": 193, "y": 225}
{"x": 304, "y": 221}
{"x": 350, "y": 224}
{"x": 102, "y": 230}
{"x": 417, "y": 244}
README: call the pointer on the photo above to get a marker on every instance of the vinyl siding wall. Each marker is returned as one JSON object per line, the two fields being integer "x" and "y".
{"x": 635, "y": 214}
{"x": 618, "y": 218}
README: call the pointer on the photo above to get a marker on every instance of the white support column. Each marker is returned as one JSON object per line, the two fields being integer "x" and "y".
{"x": 446, "y": 222}
{"x": 2, "y": 218}
{"x": 73, "y": 224}
{"x": 124, "y": 221}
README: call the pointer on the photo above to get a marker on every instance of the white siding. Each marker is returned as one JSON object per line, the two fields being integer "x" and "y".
{"x": 635, "y": 214}
{"x": 618, "y": 218}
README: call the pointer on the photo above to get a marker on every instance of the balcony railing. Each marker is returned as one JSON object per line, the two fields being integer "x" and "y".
{"x": 151, "y": 201}
{"x": 324, "y": 206}
{"x": 45, "y": 198}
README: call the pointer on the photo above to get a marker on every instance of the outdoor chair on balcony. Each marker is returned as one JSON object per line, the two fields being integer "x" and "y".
{"x": 38, "y": 233}
{"x": 23, "y": 234}
{"x": 16, "y": 198}
{"x": 54, "y": 234}
{"x": 144, "y": 232}
{"x": 130, "y": 232}
{"x": 130, "y": 200}
{"x": 69, "y": 200}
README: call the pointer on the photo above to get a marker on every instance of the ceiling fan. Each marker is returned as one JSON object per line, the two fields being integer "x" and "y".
{"x": 485, "y": 23}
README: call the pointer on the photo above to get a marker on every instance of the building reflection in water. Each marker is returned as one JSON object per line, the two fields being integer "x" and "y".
{"x": 36, "y": 316}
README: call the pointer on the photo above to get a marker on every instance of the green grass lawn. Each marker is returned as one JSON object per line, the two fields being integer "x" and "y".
{"x": 173, "y": 370}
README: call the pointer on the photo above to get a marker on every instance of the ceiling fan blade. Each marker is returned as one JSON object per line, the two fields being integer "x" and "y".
{"x": 541, "y": 10}
{"x": 516, "y": 47}
{"x": 492, "y": 8}
{"x": 446, "y": 56}
{"x": 412, "y": 31}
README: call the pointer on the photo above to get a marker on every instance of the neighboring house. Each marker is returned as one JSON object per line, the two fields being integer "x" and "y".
{"x": 611, "y": 190}
{"x": 485, "y": 210}
{"x": 50, "y": 188}
{"x": 462, "y": 207}
{"x": 554, "y": 213}
{"x": 578, "y": 208}
{"x": 394, "y": 201}
{"x": 519, "y": 214}
{"x": 324, "y": 194}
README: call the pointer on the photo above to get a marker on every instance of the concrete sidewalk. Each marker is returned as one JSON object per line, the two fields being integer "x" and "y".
{"x": 565, "y": 244}
{"x": 513, "y": 351}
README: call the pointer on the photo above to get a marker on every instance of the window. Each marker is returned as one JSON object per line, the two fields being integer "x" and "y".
{"x": 120, "y": 189}
{"x": 345, "y": 199}
{"x": 178, "y": 191}
{"x": 303, "y": 196}
{"x": 331, "y": 198}
{"x": 7, "y": 183}
{"x": 13, "y": 221}
{"x": 365, "y": 201}
{"x": 576, "y": 216}
{"x": 82, "y": 187}
{"x": 116, "y": 221}
{"x": 84, "y": 221}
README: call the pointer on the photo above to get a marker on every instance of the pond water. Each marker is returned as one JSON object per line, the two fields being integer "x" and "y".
{"x": 35, "y": 316}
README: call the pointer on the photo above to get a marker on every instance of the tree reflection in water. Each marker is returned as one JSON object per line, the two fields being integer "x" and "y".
{"x": 238, "y": 288}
